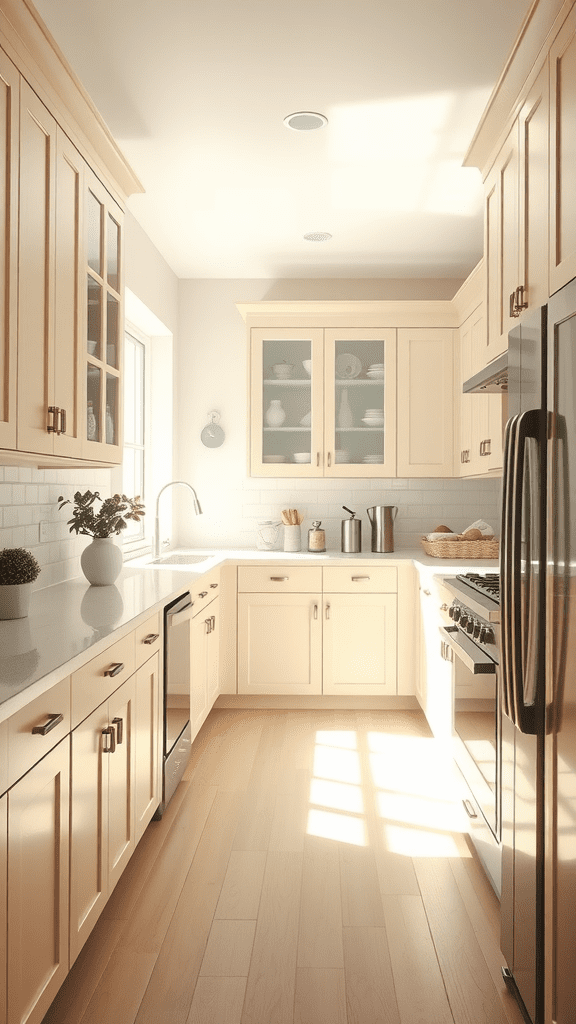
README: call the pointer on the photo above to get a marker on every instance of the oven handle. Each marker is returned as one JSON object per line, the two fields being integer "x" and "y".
{"x": 473, "y": 658}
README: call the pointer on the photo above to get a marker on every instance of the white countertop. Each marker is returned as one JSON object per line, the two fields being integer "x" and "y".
{"x": 71, "y": 618}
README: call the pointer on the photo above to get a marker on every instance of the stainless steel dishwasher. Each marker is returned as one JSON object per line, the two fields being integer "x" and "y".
{"x": 177, "y": 732}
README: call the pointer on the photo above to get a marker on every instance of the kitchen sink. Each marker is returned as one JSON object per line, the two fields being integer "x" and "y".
{"x": 182, "y": 559}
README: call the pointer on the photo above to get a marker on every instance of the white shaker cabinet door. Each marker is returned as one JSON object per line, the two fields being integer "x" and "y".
{"x": 360, "y": 636}
{"x": 279, "y": 643}
{"x": 425, "y": 402}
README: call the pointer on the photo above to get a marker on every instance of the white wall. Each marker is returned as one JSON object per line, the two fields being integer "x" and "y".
{"x": 211, "y": 374}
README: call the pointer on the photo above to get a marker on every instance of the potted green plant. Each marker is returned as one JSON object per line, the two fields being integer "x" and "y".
{"x": 18, "y": 570}
{"x": 101, "y": 561}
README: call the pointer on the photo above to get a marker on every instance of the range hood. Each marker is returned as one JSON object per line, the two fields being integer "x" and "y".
{"x": 491, "y": 380}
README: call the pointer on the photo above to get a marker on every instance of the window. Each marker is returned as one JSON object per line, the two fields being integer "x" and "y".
{"x": 136, "y": 429}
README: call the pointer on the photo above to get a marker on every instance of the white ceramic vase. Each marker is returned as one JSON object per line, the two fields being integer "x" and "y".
{"x": 15, "y": 600}
{"x": 275, "y": 414}
{"x": 345, "y": 414}
{"x": 101, "y": 562}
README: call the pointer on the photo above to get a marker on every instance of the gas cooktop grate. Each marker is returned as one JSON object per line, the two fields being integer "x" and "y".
{"x": 487, "y": 583}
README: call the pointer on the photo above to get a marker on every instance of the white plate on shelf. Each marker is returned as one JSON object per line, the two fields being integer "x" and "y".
{"x": 302, "y": 457}
{"x": 347, "y": 366}
{"x": 373, "y": 421}
{"x": 375, "y": 374}
{"x": 274, "y": 458}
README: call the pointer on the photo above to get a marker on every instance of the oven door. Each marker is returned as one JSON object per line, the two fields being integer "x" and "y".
{"x": 476, "y": 723}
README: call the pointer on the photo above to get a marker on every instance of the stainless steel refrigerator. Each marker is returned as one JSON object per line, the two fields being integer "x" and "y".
{"x": 538, "y": 664}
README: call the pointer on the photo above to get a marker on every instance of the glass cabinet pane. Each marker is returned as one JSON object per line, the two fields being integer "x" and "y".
{"x": 111, "y": 409}
{"x": 359, "y": 389}
{"x": 112, "y": 323}
{"x": 94, "y": 318}
{"x": 93, "y": 403}
{"x": 113, "y": 253}
{"x": 286, "y": 401}
{"x": 94, "y": 233}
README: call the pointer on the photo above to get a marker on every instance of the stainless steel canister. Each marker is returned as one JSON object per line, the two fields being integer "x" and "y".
{"x": 351, "y": 533}
{"x": 382, "y": 522}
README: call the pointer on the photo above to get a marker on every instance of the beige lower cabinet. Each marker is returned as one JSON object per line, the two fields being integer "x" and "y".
{"x": 359, "y": 644}
{"x": 38, "y": 808}
{"x": 280, "y": 643}
{"x": 102, "y": 835}
{"x": 434, "y": 686}
{"x": 3, "y": 906}
{"x": 204, "y": 634}
{"x": 147, "y": 744}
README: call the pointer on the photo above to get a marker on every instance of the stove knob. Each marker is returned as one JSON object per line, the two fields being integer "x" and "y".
{"x": 470, "y": 626}
{"x": 477, "y": 629}
{"x": 487, "y": 635}
{"x": 451, "y": 611}
{"x": 463, "y": 618}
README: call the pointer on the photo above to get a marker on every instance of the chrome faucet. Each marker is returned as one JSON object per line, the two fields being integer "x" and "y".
{"x": 197, "y": 510}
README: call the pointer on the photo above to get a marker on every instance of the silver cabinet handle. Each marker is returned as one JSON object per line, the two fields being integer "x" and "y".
{"x": 469, "y": 808}
{"x": 114, "y": 669}
{"x": 213, "y": 586}
{"x": 315, "y": 610}
{"x": 358, "y": 579}
{"x": 202, "y": 593}
{"x": 279, "y": 579}
{"x": 111, "y": 732}
{"x": 212, "y": 623}
{"x": 317, "y": 458}
{"x": 151, "y": 638}
{"x": 119, "y": 723}
{"x": 208, "y": 624}
{"x": 62, "y": 421}
{"x": 51, "y": 723}
{"x": 53, "y": 427}
{"x": 329, "y": 459}
{"x": 327, "y": 610}
{"x": 446, "y": 652}
{"x": 444, "y": 607}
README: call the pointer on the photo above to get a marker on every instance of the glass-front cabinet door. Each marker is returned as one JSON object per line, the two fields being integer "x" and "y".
{"x": 286, "y": 428}
{"x": 103, "y": 220}
{"x": 360, "y": 402}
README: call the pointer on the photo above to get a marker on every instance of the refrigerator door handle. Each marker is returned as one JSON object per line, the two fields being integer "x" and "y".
{"x": 523, "y": 715}
{"x": 505, "y": 568}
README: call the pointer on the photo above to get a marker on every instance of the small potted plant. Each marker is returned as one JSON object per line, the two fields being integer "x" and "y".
{"x": 18, "y": 570}
{"x": 101, "y": 561}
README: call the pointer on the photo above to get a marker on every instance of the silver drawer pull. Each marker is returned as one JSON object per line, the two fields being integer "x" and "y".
{"x": 358, "y": 579}
{"x": 327, "y": 610}
{"x": 111, "y": 732}
{"x": 279, "y": 579}
{"x": 119, "y": 723}
{"x": 49, "y": 724}
{"x": 315, "y": 611}
{"x": 114, "y": 669}
{"x": 151, "y": 638}
{"x": 208, "y": 624}
{"x": 202, "y": 593}
{"x": 469, "y": 808}
{"x": 213, "y": 586}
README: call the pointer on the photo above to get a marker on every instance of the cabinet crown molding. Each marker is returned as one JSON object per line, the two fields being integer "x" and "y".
{"x": 29, "y": 44}
{"x": 366, "y": 313}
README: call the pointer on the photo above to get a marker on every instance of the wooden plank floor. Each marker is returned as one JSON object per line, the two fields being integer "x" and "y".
{"x": 309, "y": 870}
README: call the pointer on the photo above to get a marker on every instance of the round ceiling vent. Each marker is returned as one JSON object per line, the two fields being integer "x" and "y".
{"x": 305, "y": 121}
{"x": 318, "y": 236}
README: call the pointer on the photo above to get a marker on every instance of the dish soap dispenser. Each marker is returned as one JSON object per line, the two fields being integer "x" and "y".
{"x": 316, "y": 537}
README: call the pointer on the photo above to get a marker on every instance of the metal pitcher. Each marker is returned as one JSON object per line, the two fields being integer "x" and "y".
{"x": 382, "y": 522}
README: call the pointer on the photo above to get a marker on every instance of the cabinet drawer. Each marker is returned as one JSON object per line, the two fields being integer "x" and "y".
{"x": 93, "y": 683}
{"x": 205, "y": 590}
{"x": 148, "y": 638}
{"x": 26, "y": 747}
{"x": 359, "y": 580}
{"x": 281, "y": 579}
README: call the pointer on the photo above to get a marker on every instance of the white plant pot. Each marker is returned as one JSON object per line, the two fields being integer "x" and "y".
{"x": 15, "y": 600}
{"x": 101, "y": 562}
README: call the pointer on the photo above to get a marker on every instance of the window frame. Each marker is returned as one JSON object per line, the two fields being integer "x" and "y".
{"x": 141, "y": 544}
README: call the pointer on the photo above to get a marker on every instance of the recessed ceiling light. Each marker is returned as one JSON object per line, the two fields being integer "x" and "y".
{"x": 305, "y": 121}
{"x": 318, "y": 236}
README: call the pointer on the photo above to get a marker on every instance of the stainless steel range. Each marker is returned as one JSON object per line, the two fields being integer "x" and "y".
{"x": 471, "y": 641}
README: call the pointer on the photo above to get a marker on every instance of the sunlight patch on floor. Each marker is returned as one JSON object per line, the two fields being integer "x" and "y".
{"x": 342, "y": 827}
{"x": 339, "y": 795}
{"x": 415, "y": 842}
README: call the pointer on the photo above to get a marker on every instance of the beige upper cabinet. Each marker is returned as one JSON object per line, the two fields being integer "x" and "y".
{"x": 425, "y": 402}
{"x": 9, "y": 164}
{"x": 516, "y": 219}
{"x": 563, "y": 155}
{"x": 480, "y": 447}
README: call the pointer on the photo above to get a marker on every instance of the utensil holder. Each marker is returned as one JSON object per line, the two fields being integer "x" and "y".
{"x": 292, "y": 538}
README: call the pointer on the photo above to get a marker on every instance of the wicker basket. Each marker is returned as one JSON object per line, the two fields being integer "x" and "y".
{"x": 471, "y": 549}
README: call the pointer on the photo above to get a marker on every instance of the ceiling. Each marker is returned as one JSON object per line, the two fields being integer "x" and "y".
{"x": 195, "y": 92}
